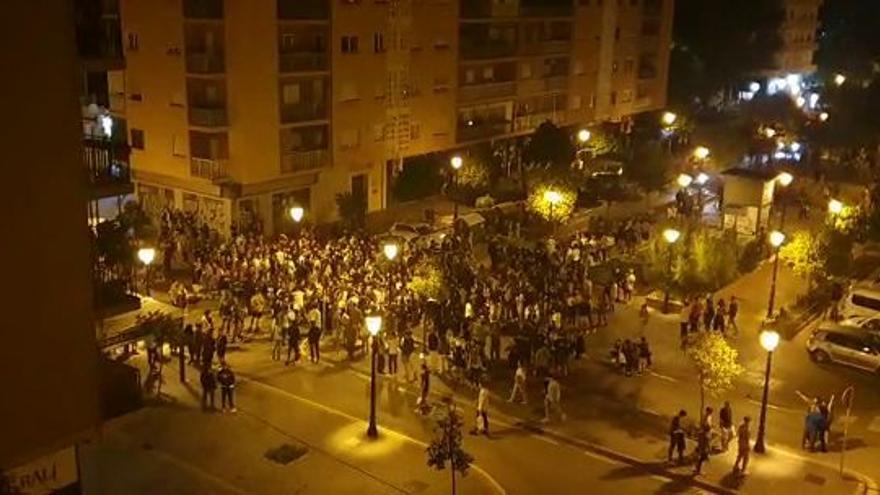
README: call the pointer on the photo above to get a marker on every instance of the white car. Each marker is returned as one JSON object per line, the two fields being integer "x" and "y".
{"x": 869, "y": 323}
{"x": 845, "y": 345}
{"x": 409, "y": 232}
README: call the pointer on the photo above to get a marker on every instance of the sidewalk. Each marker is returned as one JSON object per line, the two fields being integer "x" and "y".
{"x": 171, "y": 446}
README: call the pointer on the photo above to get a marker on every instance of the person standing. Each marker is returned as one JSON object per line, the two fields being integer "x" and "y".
{"x": 393, "y": 346}
{"x": 495, "y": 345}
{"x": 424, "y": 390}
{"x": 278, "y": 335}
{"x": 725, "y": 422}
{"x": 644, "y": 355}
{"x": 314, "y": 337}
{"x": 195, "y": 353}
{"x": 702, "y": 452}
{"x": 553, "y": 399}
{"x": 222, "y": 344}
{"x": 209, "y": 387}
{"x": 519, "y": 384}
{"x": 188, "y": 341}
{"x": 743, "y": 447}
{"x": 227, "y": 388}
{"x": 209, "y": 346}
{"x": 677, "y": 437}
{"x": 407, "y": 347}
{"x": 482, "y": 419}
{"x": 293, "y": 338}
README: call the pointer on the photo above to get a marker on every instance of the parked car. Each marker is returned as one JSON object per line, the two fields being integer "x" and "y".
{"x": 409, "y": 232}
{"x": 860, "y": 302}
{"x": 845, "y": 345}
{"x": 867, "y": 323}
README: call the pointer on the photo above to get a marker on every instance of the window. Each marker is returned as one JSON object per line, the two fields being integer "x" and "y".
{"x": 133, "y": 42}
{"x": 628, "y": 66}
{"x": 526, "y": 70}
{"x": 469, "y": 76}
{"x": 614, "y": 97}
{"x": 177, "y": 146}
{"x": 378, "y": 43}
{"x": 288, "y": 41}
{"x": 349, "y": 44}
{"x": 291, "y": 94}
{"x": 137, "y": 139}
{"x": 441, "y": 44}
{"x": 626, "y": 96}
{"x": 576, "y": 102}
{"x": 488, "y": 73}
{"x": 617, "y": 33}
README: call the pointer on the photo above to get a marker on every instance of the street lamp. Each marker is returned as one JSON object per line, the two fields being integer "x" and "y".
{"x": 583, "y": 136}
{"x": 390, "y": 249}
{"x": 671, "y": 236}
{"x": 456, "y": 163}
{"x": 553, "y": 198}
{"x": 839, "y": 79}
{"x": 702, "y": 178}
{"x": 668, "y": 118}
{"x": 769, "y": 341}
{"x": 770, "y": 132}
{"x": 776, "y": 240}
{"x": 146, "y": 256}
{"x": 823, "y": 116}
{"x": 835, "y": 207}
{"x": 784, "y": 179}
{"x": 701, "y": 153}
{"x": 684, "y": 180}
{"x": 296, "y": 213}
{"x": 374, "y": 325}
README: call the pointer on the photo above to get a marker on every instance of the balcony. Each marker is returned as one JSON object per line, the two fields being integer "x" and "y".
{"x": 302, "y": 62}
{"x": 562, "y": 10}
{"x": 213, "y": 169}
{"x": 548, "y": 47}
{"x": 302, "y": 160}
{"x": 481, "y": 130}
{"x": 481, "y": 9}
{"x": 303, "y": 10}
{"x": 545, "y": 85}
{"x": 207, "y": 116}
{"x": 205, "y": 63}
{"x": 471, "y": 49}
{"x": 203, "y": 9}
{"x": 487, "y": 91}
{"x": 303, "y": 112}
{"x": 108, "y": 168}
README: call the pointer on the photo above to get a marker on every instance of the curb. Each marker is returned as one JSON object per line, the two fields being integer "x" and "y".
{"x": 867, "y": 485}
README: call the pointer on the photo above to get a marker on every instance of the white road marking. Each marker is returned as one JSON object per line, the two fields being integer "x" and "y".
{"x": 663, "y": 377}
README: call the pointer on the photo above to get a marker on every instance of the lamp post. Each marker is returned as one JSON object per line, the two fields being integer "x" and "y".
{"x": 684, "y": 180}
{"x": 390, "y": 249}
{"x": 671, "y": 237}
{"x": 701, "y": 153}
{"x": 296, "y": 214}
{"x": 668, "y": 120}
{"x": 146, "y": 256}
{"x": 455, "y": 162}
{"x": 839, "y": 79}
{"x": 553, "y": 198}
{"x": 784, "y": 179}
{"x": 769, "y": 341}
{"x": 374, "y": 325}
{"x": 835, "y": 207}
{"x": 776, "y": 240}
{"x": 583, "y": 136}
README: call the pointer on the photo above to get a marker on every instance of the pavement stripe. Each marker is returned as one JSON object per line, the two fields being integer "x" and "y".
{"x": 663, "y": 377}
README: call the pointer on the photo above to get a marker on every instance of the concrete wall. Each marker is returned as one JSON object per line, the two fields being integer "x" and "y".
{"x": 48, "y": 359}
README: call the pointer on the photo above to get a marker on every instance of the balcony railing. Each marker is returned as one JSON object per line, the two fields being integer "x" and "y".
{"x": 107, "y": 162}
{"x": 486, "y": 91}
{"x": 547, "y": 84}
{"x": 546, "y": 47}
{"x": 302, "y": 62}
{"x": 303, "y": 9}
{"x": 297, "y": 161}
{"x": 478, "y": 50}
{"x": 481, "y": 130}
{"x": 205, "y": 63}
{"x": 566, "y": 10}
{"x": 208, "y": 116}
{"x": 303, "y": 112}
{"x": 203, "y": 9}
{"x": 209, "y": 168}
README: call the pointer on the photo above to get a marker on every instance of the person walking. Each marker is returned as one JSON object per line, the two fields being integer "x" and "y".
{"x": 189, "y": 341}
{"x": 407, "y": 348}
{"x": 209, "y": 388}
{"x": 425, "y": 388}
{"x": 552, "y": 399}
{"x": 644, "y": 355}
{"x": 482, "y": 419}
{"x": 743, "y": 447}
{"x": 227, "y": 388}
{"x": 519, "y": 384}
{"x": 725, "y": 422}
{"x": 677, "y": 437}
{"x": 702, "y": 452}
{"x": 195, "y": 352}
{"x": 222, "y": 346}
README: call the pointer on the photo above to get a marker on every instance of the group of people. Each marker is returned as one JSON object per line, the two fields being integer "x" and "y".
{"x": 709, "y": 434}
{"x": 709, "y": 315}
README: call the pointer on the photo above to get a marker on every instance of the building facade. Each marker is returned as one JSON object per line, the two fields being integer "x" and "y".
{"x": 798, "y": 34}
{"x": 241, "y": 109}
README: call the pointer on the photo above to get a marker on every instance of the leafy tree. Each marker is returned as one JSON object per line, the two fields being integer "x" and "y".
{"x": 446, "y": 446}
{"x": 539, "y": 201}
{"x": 165, "y": 329}
{"x": 649, "y": 168}
{"x": 352, "y": 209}
{"x": 428, "y": 281}
{"x": 549, "y": 147}
{"x": 715, "y": 362}
{"x": 419, "y": 178}
{"x": 135, "y": 219}
{"x": 602, "y": 141}
{"x": 719, "y": 43}
{"x": 803, "y": 254}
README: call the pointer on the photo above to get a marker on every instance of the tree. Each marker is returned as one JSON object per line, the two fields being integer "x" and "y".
{"x": 165, "y": 329}
{"x": 427, "y": 281}
{"x": 719, "y": 43}
{"x": 352, "y": 209}
{"x": 549, "y": 147}
{"x": 541, "y": 201}
{"x": 803, "y": 254}
{"x": 649, "y": 167}
{"x": 715, "y": 362}
{"x": 446, "y": 445}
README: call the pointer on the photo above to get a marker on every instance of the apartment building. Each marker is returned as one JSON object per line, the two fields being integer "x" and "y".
{"x": 798, "y": 33}
{"x": 241, "y": 109}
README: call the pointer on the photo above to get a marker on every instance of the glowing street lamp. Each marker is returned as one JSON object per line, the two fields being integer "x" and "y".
{"x": 671, "y": 237}
{"x": 823, "y": 116}
{"x": 297, "y": 213}
{"x": 583, "y": 136}
{"x": 701, "y": 153}
{"x": 702, "y": 178}
{"x": 456, "y": 163}
{"x": 776, "y": 239}
{"x": 684, "y": 180}
{"x": 835, "y": 207}
{"x": 839, "y": 79}
{"x": 552, "y": 198}
{"x": 785, "y": 179}
{"x": 390, "y": 249}
{"x": 800, "y": 101}
{"x": 374, "y": 325}
{"x": 770, "y": 132}
{"x": 668, "y": 118}
{"x": 769, "y": 341}
{"x": 146, "y": 255}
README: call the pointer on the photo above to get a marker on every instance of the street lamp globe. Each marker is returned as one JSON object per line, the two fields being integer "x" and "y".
{"x": 769, "y": 340}
{"x": 785, "y": 179}
{"x": 456, "y": 162}
{"x": 297, "y": 213}
{"x": 583, "y": 135}
{"x": 671, "y": 235}
{"x": 374, "y": 324}
{"x": 390, "y": 250}
{"x": 770, "y": 132}
{"x": 553, "y": 197}
{"x": 146, "y": 255}
{"x": 795, "y": 146}
{"x": 835, "y": 207}
{"x": 800, "y": 101}
{"x": 823, "y": 116}
{"x": 684, "y": 180}
{"x": 668, "y": 118}
{"x": 702, "y": 178}
{"x": 776, "y": 238}
{"x": 701, "y": 152}
{"x": 839, "y": 79}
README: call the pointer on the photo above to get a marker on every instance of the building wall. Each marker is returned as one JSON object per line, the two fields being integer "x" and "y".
{"x": 48, "y": 357}
{"x": 799, "y": 31}
{"x": 280, "y": 145}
